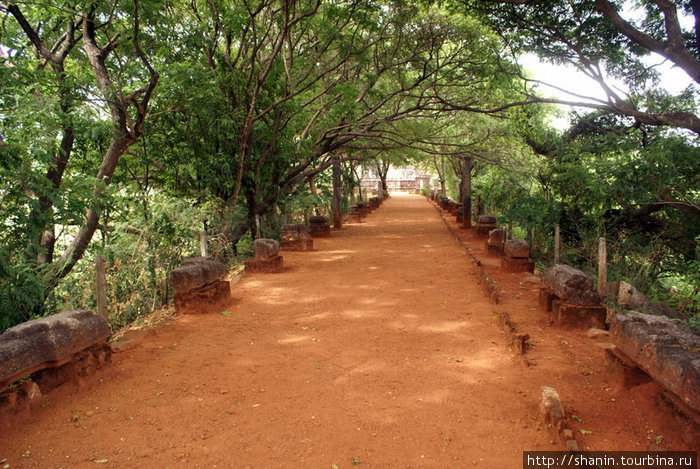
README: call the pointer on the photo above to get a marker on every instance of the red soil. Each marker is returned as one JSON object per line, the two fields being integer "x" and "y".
{"x": 377, "y": 349}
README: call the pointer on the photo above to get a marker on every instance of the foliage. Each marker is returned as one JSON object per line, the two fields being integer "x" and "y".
{"x": 128, "y": 127}
{"x": 140, "y": 253}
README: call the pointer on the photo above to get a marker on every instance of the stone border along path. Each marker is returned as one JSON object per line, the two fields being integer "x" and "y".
{"x": 377, "y": 348}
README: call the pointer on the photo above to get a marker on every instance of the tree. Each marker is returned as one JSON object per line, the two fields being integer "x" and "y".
{"x": 82, "y": 76}
{"x": 593, "y": 36}
{"x": 349, "y": 79}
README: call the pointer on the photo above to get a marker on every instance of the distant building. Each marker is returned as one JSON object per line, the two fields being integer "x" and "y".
{"x": 403, "y": 179}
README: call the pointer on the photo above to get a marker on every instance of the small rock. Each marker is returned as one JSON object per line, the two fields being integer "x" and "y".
{"x": 497, "y": 237}
{"x": 571, "y": 445}
{"x": 31, "y": 389}
{"x": 532, "y": 279}
{"x": 595, "y": 333}
{"x": 604, "y": 345}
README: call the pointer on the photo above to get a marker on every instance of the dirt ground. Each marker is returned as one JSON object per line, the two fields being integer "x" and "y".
{"x": 377, "y": 349}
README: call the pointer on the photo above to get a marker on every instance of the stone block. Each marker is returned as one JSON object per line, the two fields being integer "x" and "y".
{"x": 670, "y": 355}
{"x": 319, "y": 226}
{"x": 578, "y": 316}
{"x": 198, "y": 285}
{"x": 206, "y": 299}
{"x": 363, "y": 208}
{"x": 82, "y": 365}
{"x": 48, "y": 342}
{"x": 264, "y": 248}
{"x": 571, "y": 285}
{"x": 550, "y": 405}
{"x": 196, "y": 272}
{"x": 296, "y": 238}
{"x": 267, "y": 266}
{"x": 510, "y": 264}
{"x": 517, "y": 248}
{"x": 497, "y": 237}
{"x": 355, "y": 215}
{"x": 630, "y": 298}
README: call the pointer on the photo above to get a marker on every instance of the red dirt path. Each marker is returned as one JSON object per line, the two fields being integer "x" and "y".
{"x": 377, "y": 349}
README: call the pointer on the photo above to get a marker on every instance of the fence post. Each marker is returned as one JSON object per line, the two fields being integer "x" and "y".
{"x": 101, "y": 286}
{"x": 557, "y": 243}
{"x": 602, "y": 267}
{"x": 203, "y": 243}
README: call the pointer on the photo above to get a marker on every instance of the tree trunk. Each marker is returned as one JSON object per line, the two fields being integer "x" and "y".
{"x": 117, "y": 147}
{"x": 336, "y": 205}
{"x": 466, "y": 191}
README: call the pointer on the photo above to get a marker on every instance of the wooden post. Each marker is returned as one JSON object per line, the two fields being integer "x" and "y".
{"x": 602, "y": 267}
{"x": 101, "y": 286}
{"x": 557, "y": 243}
{"x": 203, "y": 244}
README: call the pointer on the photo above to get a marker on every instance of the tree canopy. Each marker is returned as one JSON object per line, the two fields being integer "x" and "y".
{"x": 127, "y": 127}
